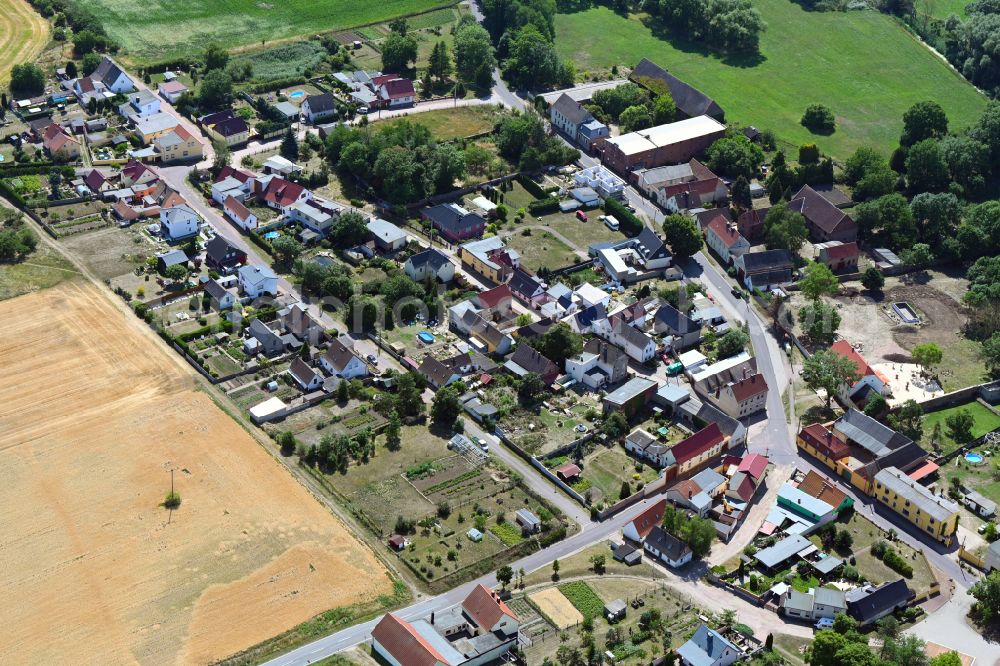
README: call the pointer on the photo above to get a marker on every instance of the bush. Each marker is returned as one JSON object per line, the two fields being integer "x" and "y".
{"x": 819, "y": 119}
{"x": 543, "y": 206}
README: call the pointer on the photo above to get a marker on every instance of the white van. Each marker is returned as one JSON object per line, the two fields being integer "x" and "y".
{"x": 611, "y": 223}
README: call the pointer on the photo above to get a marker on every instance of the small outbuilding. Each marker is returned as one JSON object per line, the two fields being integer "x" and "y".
{"x": 614, "y": 610}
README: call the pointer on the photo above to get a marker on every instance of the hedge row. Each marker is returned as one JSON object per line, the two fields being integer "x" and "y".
{"x": 225, "y": 326}
{"x": 534, "y": 189}
{"x": 34, "y": 168}
{"x": 630, "y": 224}
{"x": 543, "y": 206}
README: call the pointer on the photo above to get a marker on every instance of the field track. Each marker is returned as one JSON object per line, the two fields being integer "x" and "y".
{"x": 23, "y": 34}
{"x": 94, "y": 413}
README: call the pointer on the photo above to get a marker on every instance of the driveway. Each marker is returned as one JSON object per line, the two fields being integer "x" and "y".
{"x": 948, "y": 627}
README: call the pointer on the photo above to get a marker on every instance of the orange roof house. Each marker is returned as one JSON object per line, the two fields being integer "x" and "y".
{"x": 869, "y": 379}
{"x": 642, "y": 524}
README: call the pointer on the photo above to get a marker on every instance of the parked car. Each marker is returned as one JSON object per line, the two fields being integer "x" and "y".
{"x": 372, "y": 359}
{"x": 484, "y": 445}
{"x": 580, "y": 215}
{"x": 824, "y": 623}
{"x": 611, "y": 223}
{"x": 737, "y": 293}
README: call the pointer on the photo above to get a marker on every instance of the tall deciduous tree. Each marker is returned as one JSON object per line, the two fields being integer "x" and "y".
{"x": 682, "y": 235}
{"x": 818, "y": 280}
{"x": 828, "y": 371}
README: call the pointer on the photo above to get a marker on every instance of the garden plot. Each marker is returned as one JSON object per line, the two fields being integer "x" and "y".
{"x": 557, "y": 608}
{"x": 560, "y": 421}
{"x": 456, "y": 481}
{"x": 330, "y": 418}
{"x": 111, "y": 252}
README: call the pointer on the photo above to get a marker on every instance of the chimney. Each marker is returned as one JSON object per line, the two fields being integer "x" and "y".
{"x": 432, "y": 617}
{"x": 718, "y": 391}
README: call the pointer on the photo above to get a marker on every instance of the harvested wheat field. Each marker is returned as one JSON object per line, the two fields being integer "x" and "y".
{"x": 93, "y": 415}
{"x": 556, "y": 607}
{"x": 23, "y": 33}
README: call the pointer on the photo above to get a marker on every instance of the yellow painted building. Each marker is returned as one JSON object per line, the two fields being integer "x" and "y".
{"x": 178, "y": 145}
{"x": 934, "y": 515}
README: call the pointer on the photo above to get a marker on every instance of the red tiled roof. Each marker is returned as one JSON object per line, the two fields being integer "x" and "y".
{"x": 241, "y": 211}
{"x": 844, "y": 348}
{"x": 282, "y": 192}
{"x": 754, "y": 465}
{"x": 720, "y": 227}
{"x": 649, "y": 518}
{"x": 568, "y": 471}
{"x": 698, "y": 443}
{"x": 398, "y": 88}
{"x": 747, "y": 388}
{"x": 402, "y": 641}
{"x": 485, "y": 607}
{"x": 377, "y": 81}
{"x": 926, "y": 469}
{"x": 172, "y": 87}
{"x": 238, "y": 174}
{"x": 821, "y": 439}
{"x": 493, "y": 297}
{"x": 843, "y": 251}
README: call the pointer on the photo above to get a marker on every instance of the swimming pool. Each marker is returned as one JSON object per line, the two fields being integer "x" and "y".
{"x": 296, "y": 94}
{"x": 271, "y": 235}
{"x": 426, "y": 337}
{"x": 974, "y": 458}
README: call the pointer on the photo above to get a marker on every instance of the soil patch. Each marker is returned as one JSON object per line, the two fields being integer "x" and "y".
{"x": 557, "y": 608}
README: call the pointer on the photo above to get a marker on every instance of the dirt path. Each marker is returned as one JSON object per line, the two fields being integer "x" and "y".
{"x": 23, "y": 34}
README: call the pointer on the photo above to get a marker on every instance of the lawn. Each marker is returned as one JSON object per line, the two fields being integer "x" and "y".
{"x": 985, "y": 421}
{"x": 42, "y": 269}
{"x": 941, "y": 9}
{"x": 448, "y": 124}
{"x": 157, "y": 31}
{"x": 540, "y": 249}
{"x": 862, "y": 65}
{"x": 606, "y": 469}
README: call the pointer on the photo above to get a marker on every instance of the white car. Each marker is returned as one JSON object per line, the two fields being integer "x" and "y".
{"x": 611, "y": 223}
{"x": 824, "y": 623}
{"x": 484, "y": 445}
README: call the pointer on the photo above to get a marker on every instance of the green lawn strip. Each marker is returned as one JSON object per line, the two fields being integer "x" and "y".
{"x": 941, "y": 9}
{"x": 583, "y": 598}
{"x": 863, "y": 65}
{"x": 540, "y": 249}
